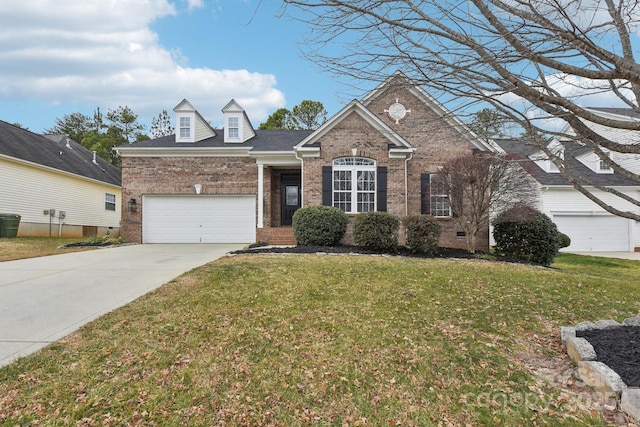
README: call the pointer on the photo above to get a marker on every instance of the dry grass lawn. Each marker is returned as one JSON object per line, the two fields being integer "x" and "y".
{"x": 296, "y": 340}
{"x": 30, "y": 247}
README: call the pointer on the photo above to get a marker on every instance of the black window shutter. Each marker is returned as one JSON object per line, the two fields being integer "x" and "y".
{"x": 327, "y": 186}
{"x": 457, "y": 200}
{"x": 425, "y": 199}
{"x": 381, "y": 191}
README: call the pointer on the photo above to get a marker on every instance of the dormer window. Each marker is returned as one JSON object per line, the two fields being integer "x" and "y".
{"x": 234, "y": 130}
{"x": 603, "y": 167}
{"x": 190, "y": 125}
{"x": 185, "y": 127}
{"x": 237, "y": 128}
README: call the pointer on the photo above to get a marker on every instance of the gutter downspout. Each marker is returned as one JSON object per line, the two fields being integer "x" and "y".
{"x": 295, "y": 153}
{"x": 406, "y": 184}
{"x": 260, "y": 195}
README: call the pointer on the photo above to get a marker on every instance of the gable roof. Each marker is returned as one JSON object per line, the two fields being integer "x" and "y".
{"x": 399, "y": 79}
{"x": 55, "y": 152}
{"x": 357, "y": 107}
{"x": 626, "y": 112}
{"x": 572, "y": 150}
{"x": 264, "y": 141}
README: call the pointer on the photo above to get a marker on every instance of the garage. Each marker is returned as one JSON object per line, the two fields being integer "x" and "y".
{"x": 198, "y": 219}
{"x": 595, "y": 232}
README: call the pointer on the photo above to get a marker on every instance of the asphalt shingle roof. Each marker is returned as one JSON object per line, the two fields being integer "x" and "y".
{"x": 54, "y": 151}
{"x": 265, "y": 140}
{"x": 521, "y": 148}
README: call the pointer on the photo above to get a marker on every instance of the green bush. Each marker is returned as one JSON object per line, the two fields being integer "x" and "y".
{"x": 319, "y": 225}
{"x": 564, "y": 241}
{"x": 422, "y": 233}
{"x": 377, "y": 231}
{"x": 528, "y": 235}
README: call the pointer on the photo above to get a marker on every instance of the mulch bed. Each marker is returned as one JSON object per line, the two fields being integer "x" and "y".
{"x": 618, "y": 348}
{"x": 401, "y": 251}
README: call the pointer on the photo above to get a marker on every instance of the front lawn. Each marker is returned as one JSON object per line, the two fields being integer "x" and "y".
{"x": 30, "y": 247}
{"x": 292, "y": 340}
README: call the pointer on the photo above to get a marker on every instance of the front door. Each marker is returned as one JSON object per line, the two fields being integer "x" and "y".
{"x": 290, "y": 195}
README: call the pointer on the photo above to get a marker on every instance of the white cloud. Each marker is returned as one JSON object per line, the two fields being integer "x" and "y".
{"x": 582, "y": 91}
{"x": 103, "y": 53}
{"x": 195, "y": 4}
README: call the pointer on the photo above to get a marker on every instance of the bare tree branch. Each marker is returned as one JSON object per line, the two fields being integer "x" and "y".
{"x": 534, "y": 62}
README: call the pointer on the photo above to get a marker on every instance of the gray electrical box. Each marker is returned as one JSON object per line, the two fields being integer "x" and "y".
{"x": 62, "y": 214}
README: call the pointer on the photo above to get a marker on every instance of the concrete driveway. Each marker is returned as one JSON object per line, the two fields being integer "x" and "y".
{"x": 44, "y": 299}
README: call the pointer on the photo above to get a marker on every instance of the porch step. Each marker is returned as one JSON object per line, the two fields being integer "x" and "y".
{"x": 282, "y": 236}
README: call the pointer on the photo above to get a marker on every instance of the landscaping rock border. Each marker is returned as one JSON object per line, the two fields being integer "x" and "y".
{"x": 597, "y": 374}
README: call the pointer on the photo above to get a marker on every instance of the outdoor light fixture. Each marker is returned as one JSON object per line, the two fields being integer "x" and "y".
{"x": 133, "y": 206}
{"x": 198, "y": 188}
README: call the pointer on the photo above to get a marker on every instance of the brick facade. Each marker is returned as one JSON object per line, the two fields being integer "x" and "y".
{"x": 352, "y": 133}
{"x": 435, "y": 142}
{"x": 177, "y": 176}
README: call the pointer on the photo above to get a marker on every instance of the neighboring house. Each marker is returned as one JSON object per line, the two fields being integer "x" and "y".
{"x": 588, "y": 225}
{"x": 58, "y": 187}
{"x": 238, "y": 184}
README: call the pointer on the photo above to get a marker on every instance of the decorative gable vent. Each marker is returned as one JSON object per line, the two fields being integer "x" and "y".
{"x": 237, "y": 127}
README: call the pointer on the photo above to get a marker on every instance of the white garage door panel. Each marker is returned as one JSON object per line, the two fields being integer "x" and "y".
{"x": 594, "y": 233}
{"x": 198, "y": 219}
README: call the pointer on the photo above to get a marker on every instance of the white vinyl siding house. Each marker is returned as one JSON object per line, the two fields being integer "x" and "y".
{"x": 29, "y": 190}
{"x": 589, "y": 226}
{"x": 44, "y": 176}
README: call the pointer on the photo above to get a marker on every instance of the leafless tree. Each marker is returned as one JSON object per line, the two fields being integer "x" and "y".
{"x": 483, "y": 186}
{"x": 532, "y": 61}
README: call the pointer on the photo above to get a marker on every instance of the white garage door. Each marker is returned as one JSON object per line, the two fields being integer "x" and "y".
{"x": 594, "y": 233}
{"x": 198, "y": 219}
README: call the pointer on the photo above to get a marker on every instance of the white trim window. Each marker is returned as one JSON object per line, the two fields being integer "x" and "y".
{"x": 234, "y": 127}
{"x": 439, "y": 205}
{"x": 354, "y": 184}
{"x": 603, "y": 167}
{"x": 109, "y": 202}
{"x": 185, "y": 127}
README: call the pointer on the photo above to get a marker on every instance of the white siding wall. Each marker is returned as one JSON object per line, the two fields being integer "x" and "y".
{"x": 202, "y": 130}
{"x": 247, "y": 130}
{"x": 28, "y": 191}
{"x": 568, "y": 200}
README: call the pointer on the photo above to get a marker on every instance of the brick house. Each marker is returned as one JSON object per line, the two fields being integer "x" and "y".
{"x": 242, "y": 185}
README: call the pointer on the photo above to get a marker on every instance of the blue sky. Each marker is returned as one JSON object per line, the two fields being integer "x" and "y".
{"x": 58, "y": 57}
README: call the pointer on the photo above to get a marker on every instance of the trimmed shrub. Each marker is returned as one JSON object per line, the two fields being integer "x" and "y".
{"x": 377, "y": 231}
{"x": 564, "y": 241}
{"x": 526, "y": 234}
{"x": 422, "y": 233}
{"x": 319, "y": 225}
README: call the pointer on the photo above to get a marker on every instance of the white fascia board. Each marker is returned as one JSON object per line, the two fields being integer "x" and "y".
{"x": 58, "y": 171}
{"x": 269, "y": 158}
{"x": 401, "y": 153}
{"x": 183, "y": 151}
{"x": 308, "y": 152}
